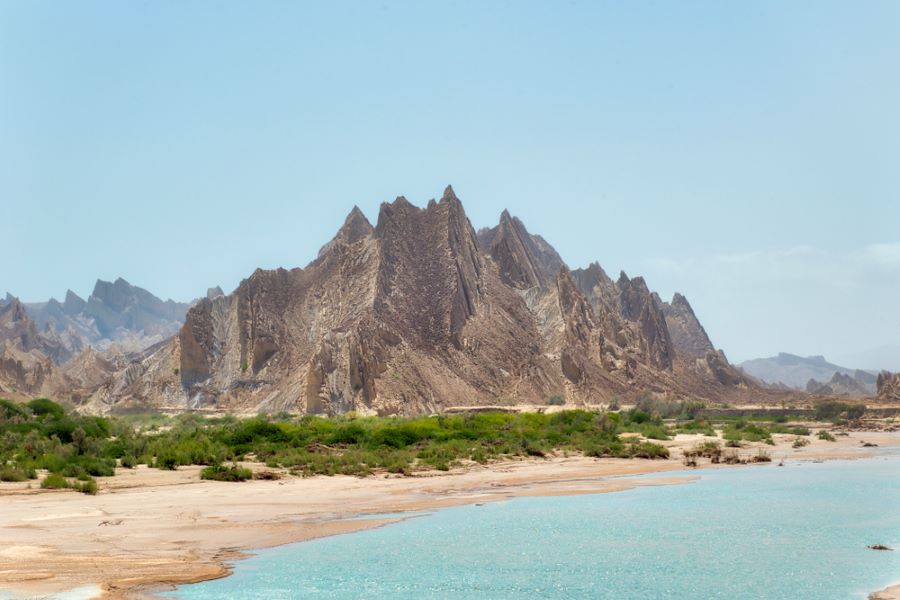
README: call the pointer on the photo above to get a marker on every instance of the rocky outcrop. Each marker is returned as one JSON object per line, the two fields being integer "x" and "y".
{"x": 16, "y": 327}
{"x": 888, "y": 386}
{"x": 23, "y": 374}
{"x": 414, "y": 315}
{"x": 841, "y": 384}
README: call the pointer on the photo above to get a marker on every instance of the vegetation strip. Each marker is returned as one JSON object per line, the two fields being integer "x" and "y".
{"x": 42, "y": 435}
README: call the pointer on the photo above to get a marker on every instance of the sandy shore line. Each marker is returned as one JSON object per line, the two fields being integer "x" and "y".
{"x": 889, "y": 593}
{"x": 150, "y": 529}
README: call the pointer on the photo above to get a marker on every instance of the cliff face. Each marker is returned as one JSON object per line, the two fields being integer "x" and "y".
{"x": 413, "y": 315}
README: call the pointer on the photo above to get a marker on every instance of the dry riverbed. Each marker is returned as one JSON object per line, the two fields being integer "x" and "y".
{"x": 148, "y": 529}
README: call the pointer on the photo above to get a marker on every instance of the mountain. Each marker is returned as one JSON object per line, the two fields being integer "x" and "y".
{"x": 811, "y": 373}
{"x": 419, "y": 313}
{"x": 69, "y": 349}
{"x": 115, "y": 313}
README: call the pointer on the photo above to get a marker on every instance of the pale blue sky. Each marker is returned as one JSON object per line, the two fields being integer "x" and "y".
{"x": 746, "y": 154}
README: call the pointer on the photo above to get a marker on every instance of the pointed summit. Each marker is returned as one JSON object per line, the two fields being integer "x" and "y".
{"x": 449, "y": 194}
{"x": 688, "y": 335}
{"x": 356, "y": 226}
{"x": 73, "y": 304}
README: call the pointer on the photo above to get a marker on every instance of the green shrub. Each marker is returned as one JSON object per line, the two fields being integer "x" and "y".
{"x": 556, "y": 400}
{"x": 54, "y": 482}
{"x": 10, "y": 474}
{"x": 824, "y": 435}
{"x": 42, "y": 407}
{"x": 223, "y": 473}
{"x": 88, "y": 486}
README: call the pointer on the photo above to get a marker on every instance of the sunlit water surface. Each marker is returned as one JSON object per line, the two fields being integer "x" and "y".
{"x": 797, "y": 532}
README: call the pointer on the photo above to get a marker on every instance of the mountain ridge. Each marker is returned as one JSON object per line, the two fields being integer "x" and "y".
{"x": 418, "y": 313}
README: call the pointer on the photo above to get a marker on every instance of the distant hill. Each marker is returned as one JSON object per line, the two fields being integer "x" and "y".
{"x": 810, "y": 373}
{"x": 68, "y": 349}
{"x": 115, "y": 313}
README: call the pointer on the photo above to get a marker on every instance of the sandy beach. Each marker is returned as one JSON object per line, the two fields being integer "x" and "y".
{"x": 891, "y": 593}
{"x": 148, "y": 530}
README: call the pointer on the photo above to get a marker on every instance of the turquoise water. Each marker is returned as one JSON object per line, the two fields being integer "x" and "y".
{"x": 798, "y": 532}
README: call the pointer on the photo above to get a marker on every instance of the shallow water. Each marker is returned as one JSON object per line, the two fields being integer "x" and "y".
{"x": 798, "y": 532}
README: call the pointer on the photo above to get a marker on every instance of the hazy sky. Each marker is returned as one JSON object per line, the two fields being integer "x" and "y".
{"x": 746, "y": 154}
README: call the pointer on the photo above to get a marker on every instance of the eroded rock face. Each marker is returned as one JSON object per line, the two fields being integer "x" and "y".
{"x": 637, "y": 305}
{"x": 16, "y": 327}
{"x": 723, "y": 371}
{"x": 524, "y": 260}
{"x": 413, "y": 315}
{"x": 687, "y": 334}
{"x": 888, "y": 386}
{"x": 23, "y": 374}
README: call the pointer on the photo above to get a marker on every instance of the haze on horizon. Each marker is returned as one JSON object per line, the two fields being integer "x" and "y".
{"x": 742, "y": 154}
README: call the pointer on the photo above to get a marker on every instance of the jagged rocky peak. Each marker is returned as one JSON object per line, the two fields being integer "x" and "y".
{"x": 688, "y": 335}
{"x": 591, "y": 277}
{"x": 73, "y": 303}
{"x": 430, "y": 253}
{"x": 214, "y": 292}
{"x": 16, "y": 327}
{"x": 356, "y": 227}
{"x": 115, "y": 312}
{"x": 636, "y": 304}
{"x": 524, "y": 260}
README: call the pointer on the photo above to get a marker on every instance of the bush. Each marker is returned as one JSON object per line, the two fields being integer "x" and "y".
{"x": 223, "y": 473}
{"x": 824, "y": 435}
{"x": 800, "y": 442}
{"x": 11, "y": 474}
{"x": 89, "y": 486}
{"x": 42, "y": 407}
{"x": 646, "y": 450}
{"x": 54, "y": 482}
{"x": 556, "y": 400}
